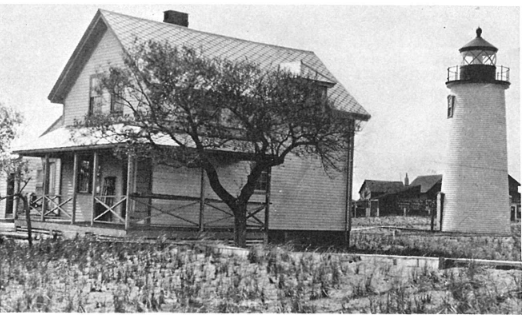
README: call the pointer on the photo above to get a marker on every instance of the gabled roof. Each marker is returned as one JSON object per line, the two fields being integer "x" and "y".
{"x": 382, "y": 186}
{"x": 426, "y": 182}
{"x": 128, "y": 30}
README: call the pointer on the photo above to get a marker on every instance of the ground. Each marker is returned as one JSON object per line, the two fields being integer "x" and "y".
{"x": 88, "y": 276}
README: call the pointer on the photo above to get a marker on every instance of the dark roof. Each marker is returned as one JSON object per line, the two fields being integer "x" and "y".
{"x": 426, "y": 182}
{"x": 130, "y": 30}
{"x": 401, "y": 192}
{"x": 382, "y": 186}
{"x": 513, "y": 181}
{"x": 478, "y": 43}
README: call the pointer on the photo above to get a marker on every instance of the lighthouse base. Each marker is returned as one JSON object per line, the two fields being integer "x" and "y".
{"x": 473, "y": 208}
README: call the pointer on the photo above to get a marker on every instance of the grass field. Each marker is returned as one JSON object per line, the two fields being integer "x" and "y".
{"x": 88, "y": 276}
{"x": 425, "y": 243}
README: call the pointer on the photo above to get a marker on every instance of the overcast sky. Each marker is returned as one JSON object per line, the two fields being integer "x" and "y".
{"x": 392, "y": 59}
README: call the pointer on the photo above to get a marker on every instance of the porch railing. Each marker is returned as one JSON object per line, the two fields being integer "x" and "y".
{"x": 254, "y": 221}
{"x": 105, "y": 206}
{"x": 49, "y": 206}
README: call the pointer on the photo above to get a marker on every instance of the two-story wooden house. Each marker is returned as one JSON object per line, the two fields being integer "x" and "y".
{"x": 98, "y": 192}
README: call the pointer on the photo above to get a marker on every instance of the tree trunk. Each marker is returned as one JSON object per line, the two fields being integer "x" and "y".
{"x": 240, "y": 225}
{"x": 27, "y": 211}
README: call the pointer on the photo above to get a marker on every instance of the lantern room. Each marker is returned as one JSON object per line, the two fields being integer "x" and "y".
{"x": 478, "y": 52}
{"x": 478, "y": 63}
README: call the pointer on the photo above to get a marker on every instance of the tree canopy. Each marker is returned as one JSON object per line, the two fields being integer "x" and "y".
{"x": 9, "y": 121}
{"x": 182, "y": 108}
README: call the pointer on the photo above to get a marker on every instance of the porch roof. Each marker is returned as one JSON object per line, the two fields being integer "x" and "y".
{"x": 69, "y": 139}
{"x": 62, "y": 139}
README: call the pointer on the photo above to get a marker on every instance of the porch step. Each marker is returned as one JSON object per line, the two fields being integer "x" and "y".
{"x": 7, "y": 227}
{"x": 15, "y": 235}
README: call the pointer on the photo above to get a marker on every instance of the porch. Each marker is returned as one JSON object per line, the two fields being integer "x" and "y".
{"x": 95, "y": 192}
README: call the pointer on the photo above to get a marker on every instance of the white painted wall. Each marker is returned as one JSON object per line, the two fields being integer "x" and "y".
{"x": 475, "y": 181}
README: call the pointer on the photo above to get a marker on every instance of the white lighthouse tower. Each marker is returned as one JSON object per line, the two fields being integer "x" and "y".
{"x": 475, "y": 179}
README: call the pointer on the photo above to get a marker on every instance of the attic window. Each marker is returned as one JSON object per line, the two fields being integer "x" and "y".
{"x": 292, "y": 67}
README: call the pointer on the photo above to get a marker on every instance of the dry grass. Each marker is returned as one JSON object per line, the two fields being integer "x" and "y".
{"x": 87, "y": 276}
{"x": 424, "y": 243}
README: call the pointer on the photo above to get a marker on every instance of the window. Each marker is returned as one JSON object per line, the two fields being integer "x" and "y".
{"x": 478, "y": 57}
{"x": 117, "y": 102}
{"x": 262, "y": 182}
{"x": 95, "y": 96}
{"x": 85, "y": 174}
{"x": 451, "y": 105}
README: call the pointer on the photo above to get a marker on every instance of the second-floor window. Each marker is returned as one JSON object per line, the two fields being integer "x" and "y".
{"x": 101, "y": 101}
{"x": 117, "y": 102}
{"x": 95, "y": 96}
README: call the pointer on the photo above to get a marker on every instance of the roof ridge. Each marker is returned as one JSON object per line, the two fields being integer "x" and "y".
{"x": 207, "y": 33}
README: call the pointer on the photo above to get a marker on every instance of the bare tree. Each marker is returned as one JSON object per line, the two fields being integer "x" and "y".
{"x": 211, "y": 107}
{"x": 13, "y": 166}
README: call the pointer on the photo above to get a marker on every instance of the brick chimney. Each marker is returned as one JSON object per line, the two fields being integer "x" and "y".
{"x": 175, "y": 17}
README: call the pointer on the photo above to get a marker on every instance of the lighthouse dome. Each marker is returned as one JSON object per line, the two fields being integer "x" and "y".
{"x": 478, "y": 43}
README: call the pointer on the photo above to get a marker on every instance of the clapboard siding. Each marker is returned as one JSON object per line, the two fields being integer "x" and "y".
{"x": 184, "y": 181}
{"x": 304, "y": 197}
{"x": 475, "y": 179}
{"x": 187, "y": 182}
{"x": 108, "y": 51}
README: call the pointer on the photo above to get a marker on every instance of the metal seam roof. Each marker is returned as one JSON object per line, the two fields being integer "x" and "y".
{"x": 127, "y": 28}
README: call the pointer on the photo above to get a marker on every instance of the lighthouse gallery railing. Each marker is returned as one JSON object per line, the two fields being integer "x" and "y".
{"x": 455, "y": 74}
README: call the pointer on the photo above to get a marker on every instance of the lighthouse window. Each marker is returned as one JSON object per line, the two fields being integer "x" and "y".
{"x": 479, "y": 57}
{"x": 451, "y": 105}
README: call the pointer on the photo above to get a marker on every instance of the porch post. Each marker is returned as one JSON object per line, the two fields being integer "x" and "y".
{"x": 94, "y": 185}
{"x": 150, "y": 190}
{"x": 202, "y": 202}
{"x": 45, "y": 187}
{"x": 267, "y": 202}
{"x": 16, "y": 200}
{"x": 130, "y": 186}
{"x": 74, "y": 188}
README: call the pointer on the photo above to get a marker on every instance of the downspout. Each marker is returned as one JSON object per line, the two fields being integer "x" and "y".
{"x": 349, "y": 179}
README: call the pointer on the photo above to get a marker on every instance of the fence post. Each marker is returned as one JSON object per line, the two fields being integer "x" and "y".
{"x": 440, "y": 209}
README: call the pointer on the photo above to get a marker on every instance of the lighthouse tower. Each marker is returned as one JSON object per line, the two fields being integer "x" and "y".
{"x": 475, "y": 179}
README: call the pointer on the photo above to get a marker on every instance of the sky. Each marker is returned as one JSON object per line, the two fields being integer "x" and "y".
{"x": 392, "y": 59}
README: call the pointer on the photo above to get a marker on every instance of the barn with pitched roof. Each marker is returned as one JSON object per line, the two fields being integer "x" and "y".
{"x": 97, "y": 192}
